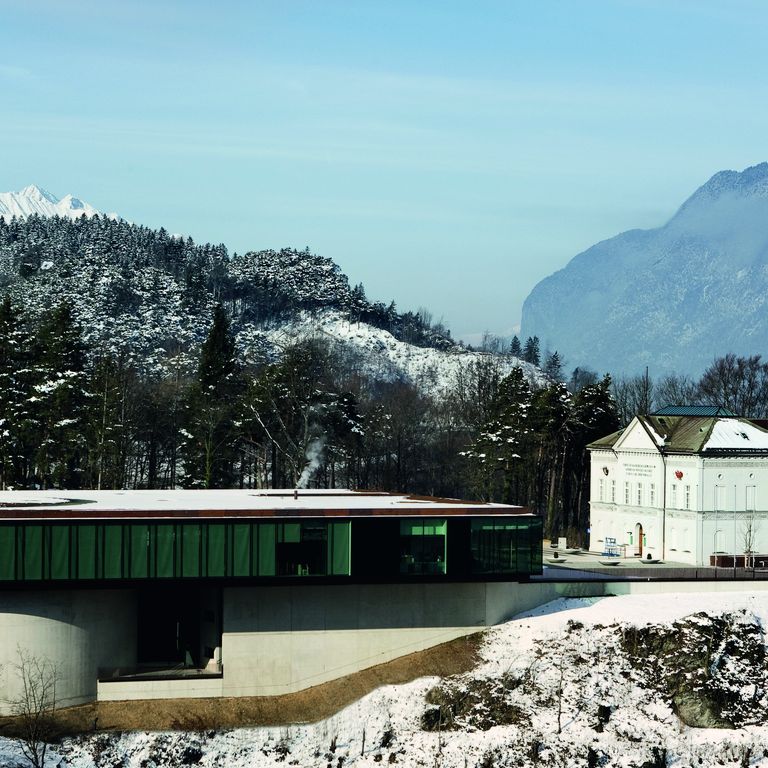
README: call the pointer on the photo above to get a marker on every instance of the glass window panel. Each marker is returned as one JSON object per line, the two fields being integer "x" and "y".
{"x": 504, "y": 547}
{"x": 59, "y": 551}
{"x": 216, "y": 549}
{"x": 86, "y": 551}
{"x": 33, "y": 552}
{"x": 339, "y": 548}
{"x": 422, "y": 547}
{"x": 7, "y": 552}
{"x": 267, "y": 541}
{"x": 112, "y": 554}
{"x": 139, "y": 538}
{"x": 306, "y": 555}
{"x": 241, "y": 549}
{"x": 190, "y": 549}
{"x": 289, "y": 533}
{"x": 164, "y": 537}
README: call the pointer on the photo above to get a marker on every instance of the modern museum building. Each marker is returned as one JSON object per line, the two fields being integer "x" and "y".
{"x": 197, "y": 593}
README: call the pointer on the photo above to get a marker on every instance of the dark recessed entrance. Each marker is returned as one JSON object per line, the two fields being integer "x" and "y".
{"x": 178, "y": 626}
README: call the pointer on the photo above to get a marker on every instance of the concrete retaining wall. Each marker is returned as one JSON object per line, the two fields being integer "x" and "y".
{"x": 77, "y": 631}
{"x": 276, "y": 640}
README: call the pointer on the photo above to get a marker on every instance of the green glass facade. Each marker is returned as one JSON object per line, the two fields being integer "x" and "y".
{"x": 423, "y": 546}
{"x": 141, "y": 550}
{"x": 460, "y": 548}
{"x": 504, "y": 546}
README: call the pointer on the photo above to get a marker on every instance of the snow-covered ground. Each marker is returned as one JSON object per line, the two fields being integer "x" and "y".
{"x": 383, "y": 357}
{"x": 573, "y": 683}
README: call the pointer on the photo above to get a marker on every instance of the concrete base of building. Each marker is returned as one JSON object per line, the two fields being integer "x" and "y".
{"x": 273, "y": 641}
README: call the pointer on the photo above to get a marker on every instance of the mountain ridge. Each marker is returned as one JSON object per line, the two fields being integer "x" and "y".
{"x": 670, "y": 298}
{"x": 34, "y": 200}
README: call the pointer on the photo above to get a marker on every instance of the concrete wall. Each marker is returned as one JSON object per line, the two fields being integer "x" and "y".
{"x": 283, "y": 640}
{"x": 275, "y": 640}
{"x": 78, "y": 631}
{"x": 185, "y": 688}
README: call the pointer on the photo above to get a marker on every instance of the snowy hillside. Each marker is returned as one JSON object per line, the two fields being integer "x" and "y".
{"x": 379, "y": 355}
{"x": 619, "y": 681}
{"x": 671, "y": 298}
{"x": 33, "y": 200}
{"x": 147, "y": 297}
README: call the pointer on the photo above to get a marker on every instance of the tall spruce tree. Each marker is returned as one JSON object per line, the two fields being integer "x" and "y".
{"x": 553, "y": 366}
{"x": 59, "y": 399}
{"x": 12, "y": 399}
{"x": 498, "y": 453}
{"x": 531, "y": 351}
{"x": 212, "y": 431}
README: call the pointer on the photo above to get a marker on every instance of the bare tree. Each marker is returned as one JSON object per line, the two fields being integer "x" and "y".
{"x": 633, "y": 395}
{"x": 677, "y": 390}
{"x": 35, "y": 706}
{"x": 738, "y": 383}
{"x": 750, "y": 528}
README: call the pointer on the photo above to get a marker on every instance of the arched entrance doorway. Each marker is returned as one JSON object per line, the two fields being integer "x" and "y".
{"x": 638, "y": 540}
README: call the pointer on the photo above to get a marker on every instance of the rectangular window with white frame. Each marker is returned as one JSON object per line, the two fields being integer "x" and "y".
{"x": 673, "y": 496}
{"x": 687, "y": 496}
{"x": 749, "y": 500}
{"x": 602, "y": 490}
{"x": 652, "y": 495}
{"x": 626, "y": 493}
{"x": 613, "y": 491}
{"x": 639, "y": 494}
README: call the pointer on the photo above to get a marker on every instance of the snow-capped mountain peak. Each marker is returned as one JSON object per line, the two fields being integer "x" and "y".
{"x": 34, "y": 200}
{"x": 36, "y": 193}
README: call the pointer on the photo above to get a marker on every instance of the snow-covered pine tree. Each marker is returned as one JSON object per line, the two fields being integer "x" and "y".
{"x": 212, "y": 407}
{"x": 13, "y": 367}
{"x": 501, "y": 447}
{"x": 59, "y": 400}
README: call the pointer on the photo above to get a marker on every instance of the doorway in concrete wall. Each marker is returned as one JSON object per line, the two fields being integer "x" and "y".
{"x": 179, "y": 627}
{"x": 638, "y": 540}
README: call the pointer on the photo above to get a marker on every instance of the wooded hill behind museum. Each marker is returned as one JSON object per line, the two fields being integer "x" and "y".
{"x": 125, "y": 362}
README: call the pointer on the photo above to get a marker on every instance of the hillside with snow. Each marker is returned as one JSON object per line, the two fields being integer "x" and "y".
{"x": 671, "y": 298}
{"x": 147, "y": 298}
{"x": 32, "y": 201}
{"x": 646, "y": 681}
{"x": 379, "y": 355}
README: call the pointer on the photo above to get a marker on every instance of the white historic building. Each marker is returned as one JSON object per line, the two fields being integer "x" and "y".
{"x": 680, "y": 485}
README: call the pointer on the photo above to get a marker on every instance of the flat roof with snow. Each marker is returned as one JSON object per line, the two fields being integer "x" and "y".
{"x": 73, "y": 505}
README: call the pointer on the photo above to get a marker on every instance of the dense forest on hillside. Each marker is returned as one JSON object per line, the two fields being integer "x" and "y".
{"x": 123, "y": 365}
{"x": 149, "y": 296}
{"x": 72, "y": 418}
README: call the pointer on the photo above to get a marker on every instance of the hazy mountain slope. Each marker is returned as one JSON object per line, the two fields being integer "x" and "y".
{"x": 670, "y": 298}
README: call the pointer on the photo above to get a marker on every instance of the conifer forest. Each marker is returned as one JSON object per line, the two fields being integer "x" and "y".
{"x": 132, "y": 359}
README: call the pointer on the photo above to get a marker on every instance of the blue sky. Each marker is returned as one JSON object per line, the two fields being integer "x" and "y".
{"x": 445, "y": 154}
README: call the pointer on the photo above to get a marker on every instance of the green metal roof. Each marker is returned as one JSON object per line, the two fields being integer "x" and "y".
{"x": 608, "y": 441}
{"x": 682, "y": 434}
{"x": 694, "y": 410}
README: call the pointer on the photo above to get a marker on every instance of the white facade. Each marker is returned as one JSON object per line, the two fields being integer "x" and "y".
{"x": 653, "y": 496}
